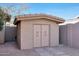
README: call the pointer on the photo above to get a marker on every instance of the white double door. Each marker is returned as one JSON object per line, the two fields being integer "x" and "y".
{"x": 41, "y": 35}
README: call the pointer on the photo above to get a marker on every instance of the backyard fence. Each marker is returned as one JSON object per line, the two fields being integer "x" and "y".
{"x": 69, "y": 35}
{"x": 2, "y": 37}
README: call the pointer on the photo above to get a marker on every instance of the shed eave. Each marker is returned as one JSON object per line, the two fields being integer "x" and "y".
{"x": 32, "y": 17}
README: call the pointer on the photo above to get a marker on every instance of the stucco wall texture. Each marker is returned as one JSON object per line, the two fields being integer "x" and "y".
{"x": 69, "y": 35}
{"x": 27, "y": 33}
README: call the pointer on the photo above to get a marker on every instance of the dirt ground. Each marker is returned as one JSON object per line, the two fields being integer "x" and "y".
{"x": 10, "y": 49}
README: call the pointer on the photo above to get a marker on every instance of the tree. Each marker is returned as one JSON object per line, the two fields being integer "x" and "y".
{"x": 10, "y": 11}
{"x": 4, "y": 17}
{"x": 15, "y": 10}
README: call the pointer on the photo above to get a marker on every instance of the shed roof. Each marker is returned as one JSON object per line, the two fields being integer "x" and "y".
{"x": 38, "y": 16}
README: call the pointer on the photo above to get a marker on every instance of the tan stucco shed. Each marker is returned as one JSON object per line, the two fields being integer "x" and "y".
{"x": 37, "y": 30}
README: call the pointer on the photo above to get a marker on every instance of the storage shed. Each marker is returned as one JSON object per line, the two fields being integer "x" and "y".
{"x": 37, "y": 30}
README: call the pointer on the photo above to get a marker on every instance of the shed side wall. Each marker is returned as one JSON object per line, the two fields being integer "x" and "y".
{"x": 19, "y": 34}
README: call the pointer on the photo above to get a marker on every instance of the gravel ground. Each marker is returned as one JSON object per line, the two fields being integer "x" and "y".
{"x": 10, "y": 49}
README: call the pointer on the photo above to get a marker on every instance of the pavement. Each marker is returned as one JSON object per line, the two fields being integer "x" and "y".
{"x": 11, "y": 49}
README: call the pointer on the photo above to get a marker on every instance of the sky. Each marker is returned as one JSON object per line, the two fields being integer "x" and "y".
{"x": 63, "y": 10}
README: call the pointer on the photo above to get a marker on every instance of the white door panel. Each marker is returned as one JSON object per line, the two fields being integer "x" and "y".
{"x": 45, "y": 35}
{"x": 37, "y": 36}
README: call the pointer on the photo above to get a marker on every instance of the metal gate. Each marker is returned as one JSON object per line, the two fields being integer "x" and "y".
{"x": 10, "y": 33}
